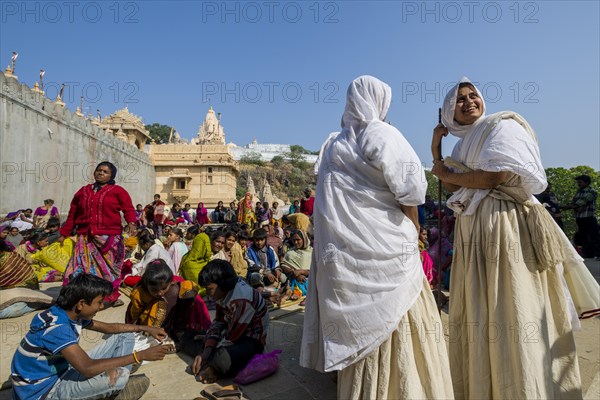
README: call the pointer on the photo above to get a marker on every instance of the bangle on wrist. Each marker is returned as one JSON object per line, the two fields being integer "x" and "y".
{"x": 135, "y": 358}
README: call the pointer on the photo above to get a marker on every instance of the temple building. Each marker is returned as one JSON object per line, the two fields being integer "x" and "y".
{"x": 126, "y": 126}
{"x": 201, "y": 171}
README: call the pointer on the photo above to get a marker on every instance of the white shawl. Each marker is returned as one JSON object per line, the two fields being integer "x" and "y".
{"x": 366, "y": 271}
{"x": 500, "y": 142}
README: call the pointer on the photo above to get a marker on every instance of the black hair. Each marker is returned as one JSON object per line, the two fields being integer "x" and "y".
{"x": 178, "y": 232}
{"x": 38, "y": 237}
{"x": 243, "y": 235}
{"x": 113, "y": 170}
{"x": 217, "y": 234}
{"x": 157, "y": 273}
{"x": 221, "y": 273}
{"x": 4, "y": 246}
{"x": 84, "y": 287}
{"x": 53, "y": 222}
{"x": 259, "y": 234}
{"x": 193, "y": 230}
{"x": 229, "y": 234}
{"x": 145, "y": 238}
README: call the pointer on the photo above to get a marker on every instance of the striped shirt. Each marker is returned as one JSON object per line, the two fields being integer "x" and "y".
{"x": 37, "y": 363}
{"x": 242, "y": 313}
{"x": 585, "y": 201}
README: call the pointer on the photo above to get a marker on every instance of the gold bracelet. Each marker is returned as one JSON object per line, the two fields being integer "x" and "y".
{"x": 135, "y": 358}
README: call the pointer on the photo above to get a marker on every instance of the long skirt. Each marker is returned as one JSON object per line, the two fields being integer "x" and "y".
{"x": 99, "y": 255}
{"x": 411, "y": 364}
{"x": 510, "y": 333}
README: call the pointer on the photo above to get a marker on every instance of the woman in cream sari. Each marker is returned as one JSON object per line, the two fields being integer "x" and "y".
{"x": 511, "y": 313}
{"x": 370, "y": 313}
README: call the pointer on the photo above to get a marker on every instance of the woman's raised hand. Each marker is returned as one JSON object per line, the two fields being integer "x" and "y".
{"x": 439, "y": 132}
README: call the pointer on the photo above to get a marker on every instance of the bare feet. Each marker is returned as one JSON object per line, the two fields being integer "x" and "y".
{"x": 208, "y": 375}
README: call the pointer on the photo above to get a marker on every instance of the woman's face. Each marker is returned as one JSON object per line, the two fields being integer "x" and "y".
{"x": 218, "y": 244}
{"x": 3, "y": 234}
{"x": 469, "y": 106}
{"x": 173, "y": 237}
{"x": 298, "y": 241}
{"x": 14, "y": 231}
{"x": 229, "y": 242}
{"x": 423, "y": 236}
{"x": 160, "y": 290}
{"x": 220, "y": 204}
{"x": 102, "y": 174}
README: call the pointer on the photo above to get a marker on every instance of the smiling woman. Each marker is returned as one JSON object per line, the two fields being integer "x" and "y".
{"x": 509, "y": 257}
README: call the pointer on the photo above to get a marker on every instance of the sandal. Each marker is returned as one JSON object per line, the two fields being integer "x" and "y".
{"x": 218, "y": 392}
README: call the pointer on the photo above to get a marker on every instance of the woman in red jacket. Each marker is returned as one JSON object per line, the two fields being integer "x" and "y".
{"x": 95, "y": 213}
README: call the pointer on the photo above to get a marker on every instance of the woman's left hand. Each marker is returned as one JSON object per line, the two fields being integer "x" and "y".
{"x": 131, "y": 229}
{"x": 157, "y": 333}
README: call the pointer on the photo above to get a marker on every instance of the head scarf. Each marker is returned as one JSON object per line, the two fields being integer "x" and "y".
{"x": 449, "y": 106}
{"x": 368, "y": 99}
{"x": 113, "y": 171}
{"x": 305, "y": 239}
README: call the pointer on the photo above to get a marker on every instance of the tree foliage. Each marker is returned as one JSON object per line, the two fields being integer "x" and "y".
{"x": 252, "y": 158}
{"x": 562, "y": 183}
{"x": 159, "y": 132}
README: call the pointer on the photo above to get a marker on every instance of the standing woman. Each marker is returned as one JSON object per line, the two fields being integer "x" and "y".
{"x": 96, "y": 215}
{"x": 370, "y": 313}
{"x": 513, "y": 333}
{"x": 245, "y": 211}
{"x": 44, "y": 213}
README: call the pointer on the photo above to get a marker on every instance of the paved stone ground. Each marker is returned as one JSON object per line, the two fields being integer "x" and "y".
{"x": 291, "y": 382}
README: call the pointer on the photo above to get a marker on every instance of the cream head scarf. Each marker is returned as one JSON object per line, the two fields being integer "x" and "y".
{"x": 454, "y": 127}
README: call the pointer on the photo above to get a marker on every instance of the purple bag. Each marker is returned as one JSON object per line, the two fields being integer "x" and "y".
{"x": 259, "y": 367}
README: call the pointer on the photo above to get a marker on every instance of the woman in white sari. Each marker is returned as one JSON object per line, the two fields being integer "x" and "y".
{"x": 370, "y": 313}
{"x": 511, "y": 314}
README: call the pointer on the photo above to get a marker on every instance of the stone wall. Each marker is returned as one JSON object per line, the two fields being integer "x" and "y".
{"x": 47, "y": 151}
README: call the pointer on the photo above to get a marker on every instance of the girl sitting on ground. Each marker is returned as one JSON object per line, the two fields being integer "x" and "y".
{"x": 296, "y": 265}
{"x": 152, "y": 251}
{"x": 177, "y": 248}
{"x": 233, "y": 253}
{"x": 163, "y": 300}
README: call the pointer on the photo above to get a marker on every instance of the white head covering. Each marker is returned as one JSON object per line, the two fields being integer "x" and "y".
{"x": 503, "y": 141}
{"x": 366, "y": 270}
{"x": 449, "y": 106}
{"x": 367, "y": 99}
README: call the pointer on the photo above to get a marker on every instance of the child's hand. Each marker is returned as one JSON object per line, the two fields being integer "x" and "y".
{"x": 156, "y": 352}
{"x": 157, "y": 333}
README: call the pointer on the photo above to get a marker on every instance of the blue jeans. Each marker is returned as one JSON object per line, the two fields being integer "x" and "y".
{"x": 73, "y": 385}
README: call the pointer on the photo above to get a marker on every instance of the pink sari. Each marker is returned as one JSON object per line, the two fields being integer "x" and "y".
{"x": 99, "y": 255}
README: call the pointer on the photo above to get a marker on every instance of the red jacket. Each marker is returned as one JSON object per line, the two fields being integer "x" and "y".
{"x": 99, "y": 213}
{"x": 307, "y": 205}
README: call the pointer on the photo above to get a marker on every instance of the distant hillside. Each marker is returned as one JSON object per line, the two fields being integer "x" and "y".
{"x": 288, "y": 178}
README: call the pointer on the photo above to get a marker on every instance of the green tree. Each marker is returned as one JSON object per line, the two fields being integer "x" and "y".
{"x": 159, "y": 132}
{"x": 253, "y": 158}
{"x": 563, "y": 185}
{"x": 277, "y": 162}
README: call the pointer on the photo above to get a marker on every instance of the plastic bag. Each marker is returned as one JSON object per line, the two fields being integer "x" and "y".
{"x": 259, "y": 367}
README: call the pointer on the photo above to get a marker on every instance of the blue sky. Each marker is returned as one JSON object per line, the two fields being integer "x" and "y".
{"x": 278, "y": 71}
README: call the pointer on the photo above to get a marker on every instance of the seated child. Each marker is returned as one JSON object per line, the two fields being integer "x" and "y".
{"x": 152, "y": 251}
{"x": 32, "y": 246}
{"x": 165, "y": 301}
{"x": 239, "y": 330}
{"x": 52, "y": 228}
{"x": 50, "y": 364}
{"x": 263, "y": 265}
